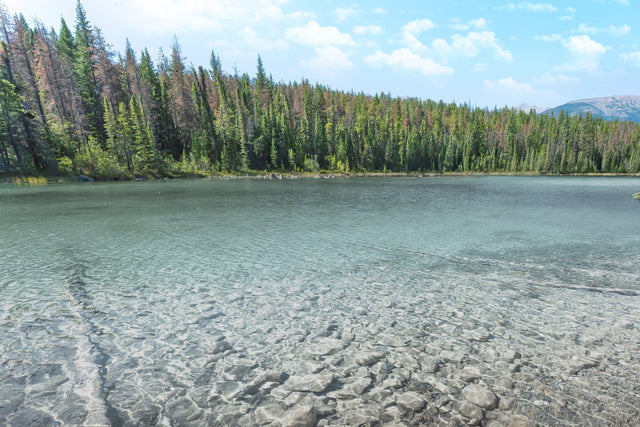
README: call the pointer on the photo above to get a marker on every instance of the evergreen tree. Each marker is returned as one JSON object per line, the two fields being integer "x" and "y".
{"x": 85, "y": 78}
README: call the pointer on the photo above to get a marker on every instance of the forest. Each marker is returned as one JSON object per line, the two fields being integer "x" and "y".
{"x": 70, "y": 105}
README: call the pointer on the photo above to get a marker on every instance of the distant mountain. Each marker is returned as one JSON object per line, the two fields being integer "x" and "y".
{"x": 609, "y": 108}
{"x": 528, "y": 108}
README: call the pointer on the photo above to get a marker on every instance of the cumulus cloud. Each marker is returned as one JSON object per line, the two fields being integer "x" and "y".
{"x": 612, "y": 30}
{"x": 417, "y": 55}
{"x": 314, "y": 35}
{"x": 551, "y": 79}
{"x": 367, "y": 29}
{"x": 470, "y": 45}
{"x": 549, "y": 37}
{"x": 405, "y": 59}
{"x": 622, "y": 30}
{"x": 631, "y": 57}
{"x": 532, "y": 7}
{"x": 302, "y": 14}
{"x": 476, "y": 24}
{"x": 585, "y": 53}
{"x": 584, "y": 28}
{"x": 345, "y": 13}
{"x": 411, "y": 31}
{"x": 379, "y": 11}
{"x": 329, "y": 57}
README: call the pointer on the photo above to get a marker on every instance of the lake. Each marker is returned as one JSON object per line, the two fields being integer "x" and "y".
{"x": 346, "y": 301}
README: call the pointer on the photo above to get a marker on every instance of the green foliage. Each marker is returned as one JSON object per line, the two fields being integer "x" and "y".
{"x": 93, "y": 160}
{"x": 65, "y": 165}
{"x": 132, "y": 118}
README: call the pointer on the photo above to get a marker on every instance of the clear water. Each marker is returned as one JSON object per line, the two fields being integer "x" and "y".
{"x": 199, "y": 302}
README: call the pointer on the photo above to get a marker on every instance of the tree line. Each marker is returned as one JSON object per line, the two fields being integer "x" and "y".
{"x": 68, "y": 102}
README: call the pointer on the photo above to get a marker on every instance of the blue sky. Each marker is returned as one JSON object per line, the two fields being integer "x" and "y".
{"x": 486, "y": 53}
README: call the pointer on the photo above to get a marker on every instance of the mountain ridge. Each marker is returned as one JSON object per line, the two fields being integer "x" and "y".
{"x": 617, "y": 107}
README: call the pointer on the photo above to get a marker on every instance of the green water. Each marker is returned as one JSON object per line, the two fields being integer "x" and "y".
{"x": 122, "y": 301}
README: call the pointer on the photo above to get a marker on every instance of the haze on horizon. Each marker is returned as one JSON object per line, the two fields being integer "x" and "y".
{"x": 506, "y": 53}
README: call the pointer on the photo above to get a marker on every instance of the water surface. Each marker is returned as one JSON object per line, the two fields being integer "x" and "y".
{"x": 345, "y": 301}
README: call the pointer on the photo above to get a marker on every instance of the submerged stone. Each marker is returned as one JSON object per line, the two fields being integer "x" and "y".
{"x": 313, "y": 383}
{"x": 470, "y": 410}
{"x": 303, "y": 416}
{"x": 480, "y": 396}
{"x": 411, "y": 400}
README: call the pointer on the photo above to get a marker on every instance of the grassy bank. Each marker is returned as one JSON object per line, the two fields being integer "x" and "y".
{"x": 18, "y": 179}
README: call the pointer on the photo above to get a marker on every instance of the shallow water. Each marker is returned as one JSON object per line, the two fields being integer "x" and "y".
{"x": 328, "y": 301}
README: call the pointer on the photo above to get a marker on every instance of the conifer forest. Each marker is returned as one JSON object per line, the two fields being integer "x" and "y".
{"x": 70, "y": 104}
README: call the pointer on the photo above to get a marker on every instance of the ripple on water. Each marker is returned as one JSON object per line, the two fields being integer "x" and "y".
{"x": 249, "y": 305}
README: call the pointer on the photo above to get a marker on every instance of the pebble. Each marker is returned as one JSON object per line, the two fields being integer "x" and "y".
{"x": 368, "y": 358}
{"x": 303, "y": 416}
{"x": 430, "y": 364}
{"x": 579, "y": 365}
{"x": 411, "y": 401}
{"x": 470, "y": 410}
{"x": 480, "y": 396}
{"x": 313, "y": 383}
{"x": 268, "y": 413}
{"x": 326, "y": 346}
{"x": 519, "y": 421}
{"x": 452, "y": 356}
{"x": 469, "y": 374}
{"x": 506, "y": 403}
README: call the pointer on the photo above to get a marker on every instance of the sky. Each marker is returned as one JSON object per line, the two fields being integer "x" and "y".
{"x": 488, "y": 53}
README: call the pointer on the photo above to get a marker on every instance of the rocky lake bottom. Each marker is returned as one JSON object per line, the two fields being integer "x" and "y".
{"x": 302, "y": 334}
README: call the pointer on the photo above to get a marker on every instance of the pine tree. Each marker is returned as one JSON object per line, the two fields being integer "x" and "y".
{"x": 84, "y": 73}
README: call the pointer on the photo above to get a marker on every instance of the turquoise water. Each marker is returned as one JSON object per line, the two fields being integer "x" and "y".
{"x": 163, "y": 302}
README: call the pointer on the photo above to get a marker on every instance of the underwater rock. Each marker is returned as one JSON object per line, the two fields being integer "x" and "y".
{"x": 312, "y": 383}
{"x": 480, "y": 396}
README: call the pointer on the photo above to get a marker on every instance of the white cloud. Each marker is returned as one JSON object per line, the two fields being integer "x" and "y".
{"x": 345, "y": 13}
{"x": 532, "y": 7}
{"x": 585, "y": 53}
{"x": 405, "y": 59}
{"x": 367, "y": 29}
{"x": 509, "y": 85}
{"x": 412, "y": 30}
{"x": 301, "y": 14}
{"x": 537, "y": 7}
{"x": 549, "y": 37}
{"x": 551, "y": 79}
{"x": 611, "y": 29}
{"x": 584, "y": 28}
{"x": 315, "y": 35}
{"x": 622, "y": 2}
{"x": 620, "y": 31}
{"x": 379, "y": 11}
{"x": 632, "y": 57}
{"x": 329, "y": 57}
{"x": 476, "y": 24}
{"x": 470, "y": 45}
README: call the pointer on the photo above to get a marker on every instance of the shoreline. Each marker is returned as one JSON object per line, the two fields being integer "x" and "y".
{"x": 54, "y": 179}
